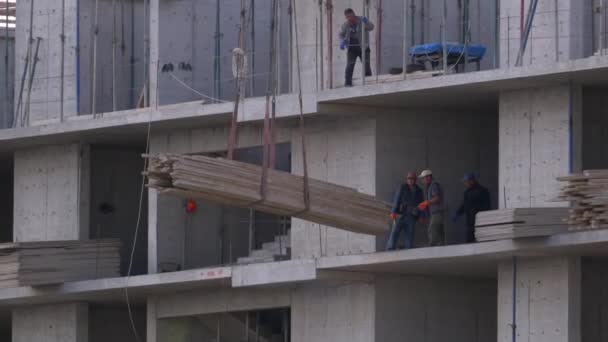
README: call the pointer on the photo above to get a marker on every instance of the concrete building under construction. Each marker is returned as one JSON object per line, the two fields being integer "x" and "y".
{"x": 88, "y": 86}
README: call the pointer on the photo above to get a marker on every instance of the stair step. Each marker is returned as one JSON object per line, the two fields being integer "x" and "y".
{"x": 254, "y": 260}
{"x": 275, "y": 246}
{"x": 285, "y": 239}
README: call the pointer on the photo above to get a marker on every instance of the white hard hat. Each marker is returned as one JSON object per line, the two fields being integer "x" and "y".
{"x": 425, "y": 173}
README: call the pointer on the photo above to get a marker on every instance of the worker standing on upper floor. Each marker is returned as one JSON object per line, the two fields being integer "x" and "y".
{"x": 435, "y": 208}
{"x": 351, "y": 39}
{"x": 405, "y": 212}
{"x": 476, "y": 199}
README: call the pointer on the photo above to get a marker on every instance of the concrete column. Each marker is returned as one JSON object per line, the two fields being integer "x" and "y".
{"x": 338, "y": 313}
{"x": 561, "y": 32}
{"x": 52, "y": 193}
{"x": 48, "y": 24}
{"x": 51, "y": 203}
{"x": 547, "y": 297}
{"x": 539, "y": 139}
{"x": 154, "y": 46}
{"x": 341, "y": 151}
{"x": 51, "y": 323}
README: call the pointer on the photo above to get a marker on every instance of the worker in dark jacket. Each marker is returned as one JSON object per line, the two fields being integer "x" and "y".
{"x": 404, "y": 212}
{"x": 354, "y": 38}
{"x": 476, "y": 199}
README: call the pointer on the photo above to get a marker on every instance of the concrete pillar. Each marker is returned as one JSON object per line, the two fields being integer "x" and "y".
{"x": 333, "y": 313}
{"x": 340, "y": 151}
{"x": 46, "y": 93}
{"x": 539, "y": 139}
{"x": 561, "y": 32}
{"x": 154, "y": 46}
{"x": 547, "y": 298}
{"x": 51, "y": 323}
{"x": 52, "y": 193}
{"x": 51, "y": 203}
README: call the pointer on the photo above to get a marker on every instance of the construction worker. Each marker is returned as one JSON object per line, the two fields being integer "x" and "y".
{"x": 351, "y": 39}
{"x": 434, "y": 207}
{"x": 404, "y": 212}
{"x": 476, "y": 199}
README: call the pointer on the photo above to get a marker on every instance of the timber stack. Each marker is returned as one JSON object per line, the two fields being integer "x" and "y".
{"x": 520, "y": 222}
{"x": 240, "y": 184}
{"x": 53, "y": 262}
{"x": 588, "y": 193}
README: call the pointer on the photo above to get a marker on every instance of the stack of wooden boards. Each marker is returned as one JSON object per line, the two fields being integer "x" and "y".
{"x": 52, "y": 262}
{"x": 520, "y": 222}
{"x": 588, "y": 192}
{"x": 239, "y": 184}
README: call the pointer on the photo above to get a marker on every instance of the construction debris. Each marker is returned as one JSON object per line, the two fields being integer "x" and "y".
{"x": 240, "y": 184}
{"x": 53, "y": 262}
{"x": 519, "y": 222}
{"x": 588, "y": 192}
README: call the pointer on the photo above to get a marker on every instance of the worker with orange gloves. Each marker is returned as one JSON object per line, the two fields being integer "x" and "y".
{"x": 434, "y": 207}
{"x": 404, "y": 212}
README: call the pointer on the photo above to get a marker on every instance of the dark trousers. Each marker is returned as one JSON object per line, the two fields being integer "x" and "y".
{"x": 353, "y": 53}
{"x": 408, "y": 225}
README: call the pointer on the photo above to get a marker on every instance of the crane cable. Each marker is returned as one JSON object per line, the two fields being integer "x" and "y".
{"x": 239, "y": 64}
{"x": 302, "y": 132}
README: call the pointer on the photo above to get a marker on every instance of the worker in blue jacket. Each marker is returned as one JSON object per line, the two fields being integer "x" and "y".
{"x": 404, "y": 212}
{"x": 476, "y": 199}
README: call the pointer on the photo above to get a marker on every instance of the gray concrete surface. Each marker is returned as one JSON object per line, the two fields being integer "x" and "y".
{"x": 539, "y": 141}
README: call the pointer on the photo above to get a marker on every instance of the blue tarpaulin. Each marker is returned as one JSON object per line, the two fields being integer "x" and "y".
{"x": 474, "y": 51}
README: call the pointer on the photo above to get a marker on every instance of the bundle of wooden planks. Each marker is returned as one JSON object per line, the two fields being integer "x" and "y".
{"x": 588, "y": 193}
{"x": 239, "y": 184}
{"x": 519, "y": 222}
{"x": 52, "y": 262}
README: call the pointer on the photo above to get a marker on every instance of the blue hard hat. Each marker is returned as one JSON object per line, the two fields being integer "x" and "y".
{"x": 469, "y": 177}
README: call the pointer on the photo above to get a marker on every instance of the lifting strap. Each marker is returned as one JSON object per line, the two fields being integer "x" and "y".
{"x": 239, "y": 64}
{"x": 302, "y": 131}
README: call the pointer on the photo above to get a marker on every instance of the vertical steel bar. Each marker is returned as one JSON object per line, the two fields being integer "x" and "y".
{"x": 62, "y": 60}
{"x": 94, "y": 76}
{"x": 405, "y": 40}
{"x": 364, "y": 42}
{"x": 114, "y": 43}
{"x": 556, "y": 30}
{"x": 444, "y": 36}
{"x": 602, "y": 26}
{"x": 321, "y": 43}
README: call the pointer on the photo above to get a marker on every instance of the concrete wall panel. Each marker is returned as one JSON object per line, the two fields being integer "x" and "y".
{"x": 50, "y": 185}
{"x": 51, "y": 323}
{"x": 340, "y": 151}
{"x": 343, "y": 313}
{"x": 547, "y": 295}
{"x": 435, "y": 309}
{"x": 536, "y": 143}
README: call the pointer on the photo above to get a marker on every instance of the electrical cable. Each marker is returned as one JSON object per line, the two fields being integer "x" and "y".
{"x": 194, "y": 90}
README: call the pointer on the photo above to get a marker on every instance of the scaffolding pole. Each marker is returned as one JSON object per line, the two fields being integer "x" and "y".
{"x": 329, "y": 11}
{"x": 444, "y": 36}
{"x": 114, "y": 43}
{"x": 321, "y": 50}
{"x": 405, "y": 40}
{"x": 62, "y": 67}
{"x": 6, "y": 80}
{"x": 252, "y": 64}
{"x": 364, "y": 42}
{"x": 26, "y": 113}
{"x": 602, "y": 26}
{"x": 94, "y": 78}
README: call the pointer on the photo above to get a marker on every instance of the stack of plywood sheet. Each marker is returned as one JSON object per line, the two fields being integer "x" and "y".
{"x": 239, "y": 184}
{"x": 52, "y": 262}
{"x": 520, "y": 222}
{"x": 588, "y": 192}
